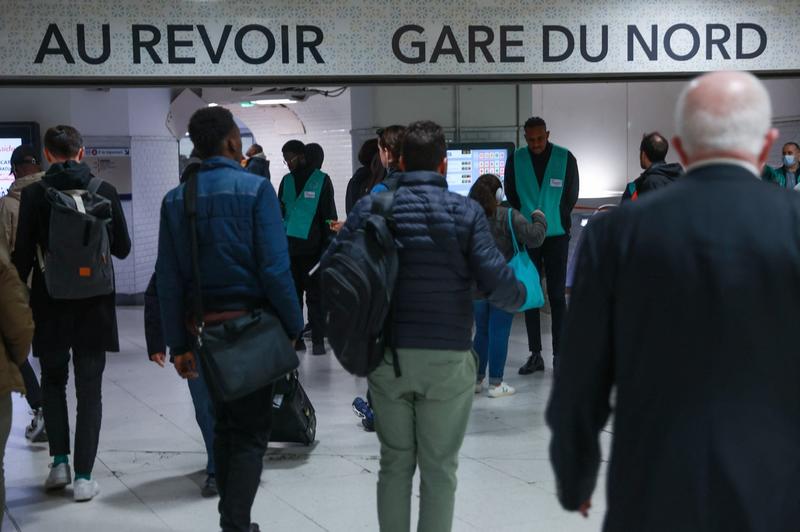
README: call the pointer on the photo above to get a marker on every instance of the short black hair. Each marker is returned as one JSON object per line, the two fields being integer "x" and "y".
{"x": 257, "y": 148}
{"x": 655, "y": 146}
{"x": 792, "y": 143}
{"x": 424, "y": 146}
{"x": 535, "y": 121}
{"x": 63, "y": 141}
{"x": 208, "y": 129}
{"x": 315, "y": 155}
{"x": 294, "y": 146}
{"x": 368, "y": 151}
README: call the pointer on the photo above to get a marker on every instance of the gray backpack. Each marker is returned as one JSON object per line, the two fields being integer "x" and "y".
{"x": 77, "y": 262}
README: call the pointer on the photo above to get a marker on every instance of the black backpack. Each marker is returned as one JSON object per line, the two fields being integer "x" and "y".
{"x": 357, "y": 288}
{"x": 77, "y": 261}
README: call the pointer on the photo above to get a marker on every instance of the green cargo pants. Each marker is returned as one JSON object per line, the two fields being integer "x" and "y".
{"x": 421, "y": 418}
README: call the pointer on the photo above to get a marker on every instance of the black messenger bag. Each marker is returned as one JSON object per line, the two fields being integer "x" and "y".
{"x": 243, "y": 354}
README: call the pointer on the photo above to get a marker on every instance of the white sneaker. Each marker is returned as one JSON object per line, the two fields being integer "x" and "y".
{"x": 85, "y": 490}
{"x": 59, "y": 478}
{"x": 501, "y": 390}
{"x": 479, "y": 387}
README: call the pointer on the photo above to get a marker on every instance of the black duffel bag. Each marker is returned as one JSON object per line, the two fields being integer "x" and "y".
{"x": 243, "y": 354}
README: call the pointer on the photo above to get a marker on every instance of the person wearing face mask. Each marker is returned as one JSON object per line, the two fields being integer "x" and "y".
{"x": 657, "y": 172}
{"x": 493, "y": 324}
{"x": 542, "y": 175}
{"x": 787, "y": 175}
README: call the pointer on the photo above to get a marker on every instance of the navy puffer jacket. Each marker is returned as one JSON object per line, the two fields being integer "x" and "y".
{"x": 244, "y": 257}
{"x": 446, "y": 248}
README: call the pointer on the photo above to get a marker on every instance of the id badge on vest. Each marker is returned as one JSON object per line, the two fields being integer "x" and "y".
{"x": 309, "y": 194}
{"x": 557, "y": 183}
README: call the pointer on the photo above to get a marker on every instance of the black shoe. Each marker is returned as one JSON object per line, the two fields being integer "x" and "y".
{"x": 300, "y": 345}
{"x": 210, "y": 487}
{"x": 254, "y": 527}
{"x": 319, "y": 349}
{"x": 535, "y": 363}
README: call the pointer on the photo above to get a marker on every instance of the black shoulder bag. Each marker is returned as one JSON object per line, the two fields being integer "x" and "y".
{"x": 243, "y": 354}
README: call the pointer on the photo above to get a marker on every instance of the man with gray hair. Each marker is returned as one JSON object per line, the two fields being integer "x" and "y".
{"x": 707, "y": 270}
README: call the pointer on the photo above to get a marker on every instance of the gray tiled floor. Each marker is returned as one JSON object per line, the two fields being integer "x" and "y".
{"x": 151, "y": 458}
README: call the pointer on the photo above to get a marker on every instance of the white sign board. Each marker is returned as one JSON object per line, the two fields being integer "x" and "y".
{"x": 349, "y": 40}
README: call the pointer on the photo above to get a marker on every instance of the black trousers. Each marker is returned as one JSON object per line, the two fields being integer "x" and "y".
{"x": 241, "y": 435}
{"x": 551, "y": 261}
{"x": 33, "y": 393}
{"x": 309, "y": 284}
{"x": 89, "y": 367}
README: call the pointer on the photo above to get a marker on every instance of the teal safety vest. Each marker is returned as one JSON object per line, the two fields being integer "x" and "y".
{"x": 546, "y": 198}
{"x": 301, "y": 209}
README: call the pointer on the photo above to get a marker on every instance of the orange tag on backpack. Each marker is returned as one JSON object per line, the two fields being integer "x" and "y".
{"x": 85, "y": 272}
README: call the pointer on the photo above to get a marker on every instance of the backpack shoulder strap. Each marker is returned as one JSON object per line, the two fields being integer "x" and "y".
{"x": 94, "y": 185}
{"x": 383, "y": 203}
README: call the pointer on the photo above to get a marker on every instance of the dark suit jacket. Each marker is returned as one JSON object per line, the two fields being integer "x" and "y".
{"x": 688, "y": 302}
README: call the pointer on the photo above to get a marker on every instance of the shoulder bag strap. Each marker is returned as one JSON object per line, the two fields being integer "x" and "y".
{"x": 513, "y": 233}
{"x": 94, "y": 185}
{"x": 190, "y": 209}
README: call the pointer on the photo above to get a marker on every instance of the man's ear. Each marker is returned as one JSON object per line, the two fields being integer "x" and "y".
{"x": 49, "y": 156}
{"x": 81, "y": 154}
{"x": 402, "y": 163}
{"x": 676, "y": 142}
{"x": 769, "y": 140}
{"x": 547, "y": 135}
{"x": 442, "y": 168}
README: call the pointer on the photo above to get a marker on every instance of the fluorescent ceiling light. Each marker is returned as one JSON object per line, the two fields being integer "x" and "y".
{"x": 213, "y": 104}
{"x": 277, "y": 101}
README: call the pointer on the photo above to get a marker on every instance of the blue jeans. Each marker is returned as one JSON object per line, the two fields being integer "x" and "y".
{"x": 204, "y": 414}
{"x": 492, "y": 330}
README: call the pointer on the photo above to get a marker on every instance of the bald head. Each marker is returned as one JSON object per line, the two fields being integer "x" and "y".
{"x": 724, "y": 114}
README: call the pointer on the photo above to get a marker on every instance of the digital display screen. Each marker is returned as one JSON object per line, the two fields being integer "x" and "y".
{"x": 7, "y": 147}
{"x": 467, "y": 162}
{"x": 13, "y": 134}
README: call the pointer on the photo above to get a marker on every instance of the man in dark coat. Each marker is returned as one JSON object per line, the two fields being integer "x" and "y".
{"x": 711, "y": 446}
{"x": 657, "y": 172}
{"x": 87, "y": 327}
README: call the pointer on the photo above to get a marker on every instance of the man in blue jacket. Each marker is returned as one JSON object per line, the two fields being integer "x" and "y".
{"x": 445, "y": 247}
{"x": 244, "y": 261}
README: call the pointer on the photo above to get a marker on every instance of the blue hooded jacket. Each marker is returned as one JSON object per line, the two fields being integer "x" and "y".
{"x": 244, "y": 256}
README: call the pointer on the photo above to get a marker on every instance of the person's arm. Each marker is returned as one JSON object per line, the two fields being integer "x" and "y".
{"x": 280, "y": 199}
{"x": 531, "y": 234}
{"x": 579, "y": 404}
{"x": 171, "y": 286}
{"x": 153, "y": 330}
{"x": 354, "y": 219}
{"x": 24, "y": 253}
{"x": 120, "y": 239}
{"x": 572, "y": 184}
{"x": 272, "y": 260}
{"x": 16, "y": 320}
{"x": 489, "y": 267}
{"x": 7, "y": 219}
{"x": 327, "y": 211}
{"x": 510, "y": 184}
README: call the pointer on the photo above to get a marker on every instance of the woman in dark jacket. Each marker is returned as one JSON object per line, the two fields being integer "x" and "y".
{"x": 357, "y": 187}
{"x": 492, "y": 324}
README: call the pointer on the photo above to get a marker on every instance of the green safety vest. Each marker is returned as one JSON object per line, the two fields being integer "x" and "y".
{"x": 546, "y": 198}
{"x": 301, "y": 209}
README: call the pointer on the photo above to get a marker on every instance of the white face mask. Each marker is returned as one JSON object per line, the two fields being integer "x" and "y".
{"x": 788, "y": 160}
{"x": 499, "y": 195}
